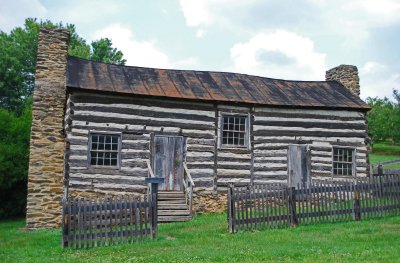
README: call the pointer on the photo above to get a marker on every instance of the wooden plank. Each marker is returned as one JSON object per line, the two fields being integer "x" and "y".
{"x": 121, "y": 219}
{"x": 70, "y": 230}
{"x": 136, "y": 219}
{"x": 265, "y": 204}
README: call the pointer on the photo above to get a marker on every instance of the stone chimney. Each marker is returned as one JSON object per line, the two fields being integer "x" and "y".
{"x": 46, "y": 161}
{"x": 346, "y": 75}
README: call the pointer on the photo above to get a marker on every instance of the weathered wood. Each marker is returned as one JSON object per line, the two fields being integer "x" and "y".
{"x": 299, "y": 162}
{"x": 98, "y": 222}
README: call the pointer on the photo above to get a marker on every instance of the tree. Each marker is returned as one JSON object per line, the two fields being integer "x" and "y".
{"x": 384, "y": 118}
{"x": 17, "y": 77}
{"x": 14, "y": 157}
{"x": 102, "y": 50}
{"x": 18, "y": 59}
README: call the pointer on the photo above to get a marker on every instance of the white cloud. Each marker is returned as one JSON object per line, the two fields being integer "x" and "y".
{"x": 200, "y": 33}
{"x": 14, "y": 13}
{"x": 300, "y": 60}
{"x": 351, "y": 20}
{"x": 136, "y": 52}
{"x": 378, "y": 80}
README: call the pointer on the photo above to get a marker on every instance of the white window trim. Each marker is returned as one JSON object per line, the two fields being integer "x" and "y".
{"x": 115, "y": 167}
{"x": 247, "y": 130}
{"x": 354, "y": 161}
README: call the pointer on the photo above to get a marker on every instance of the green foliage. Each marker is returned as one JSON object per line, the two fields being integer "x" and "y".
{"x": 384, "y": 118}
{"x": 206, "y": 239}
{"x": 102, "y": 50}
{"x": 18, "y": 51}
{"x": 18, "y": 59}
{"x": 14, "y": 157}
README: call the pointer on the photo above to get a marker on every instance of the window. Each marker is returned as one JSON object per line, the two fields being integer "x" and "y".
{"x": 343, "y": 161}
{"x": 104, "y": 150}
{"x": 234, "y": 131}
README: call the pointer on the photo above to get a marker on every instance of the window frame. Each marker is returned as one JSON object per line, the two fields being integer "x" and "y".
{"x": 113, "y": 167}
{"x": 353, "y": 161}
{"x": 246, "y": 132}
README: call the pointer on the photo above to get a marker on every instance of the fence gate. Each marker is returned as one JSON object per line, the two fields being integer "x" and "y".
{"x": 299, "y": 166}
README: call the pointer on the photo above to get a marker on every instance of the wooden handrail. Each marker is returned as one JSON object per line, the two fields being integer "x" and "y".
{"x": 149, "y": 168}
{"x": 188, "y": 174}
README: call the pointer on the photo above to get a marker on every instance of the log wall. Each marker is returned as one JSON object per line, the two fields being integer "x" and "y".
{"x": 211, "y": 166}
{"x": 274, "y": 129}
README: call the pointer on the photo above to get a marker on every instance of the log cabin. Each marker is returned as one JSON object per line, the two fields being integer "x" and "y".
{"x": 100, "y": 129}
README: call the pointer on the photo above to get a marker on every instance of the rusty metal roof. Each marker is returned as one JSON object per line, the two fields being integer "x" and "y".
{"x": 209, "y": 86}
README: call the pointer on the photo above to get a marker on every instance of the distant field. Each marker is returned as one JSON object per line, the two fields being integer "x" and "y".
{"x": 384, "y": 148}
{"x": 206, "y": 239}
{"x": 385, "y": 152}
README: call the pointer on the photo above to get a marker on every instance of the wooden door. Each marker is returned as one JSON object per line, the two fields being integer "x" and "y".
{"x": 168, "y": 161}
{"x": 299, "y": 166}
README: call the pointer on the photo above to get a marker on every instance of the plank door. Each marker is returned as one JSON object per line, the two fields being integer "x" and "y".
{"x": 299, "y": 166}
{"x": 168, "y": 161}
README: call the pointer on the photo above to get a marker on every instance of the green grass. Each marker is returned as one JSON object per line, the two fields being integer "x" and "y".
{"x": 206, "y": 239}
{"x": 385, "y": 152}
{"x": 386, "y": 148}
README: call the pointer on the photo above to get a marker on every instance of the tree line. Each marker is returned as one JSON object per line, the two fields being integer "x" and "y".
{"x": 17, "y": 68}
{"x": 384, "y": 119}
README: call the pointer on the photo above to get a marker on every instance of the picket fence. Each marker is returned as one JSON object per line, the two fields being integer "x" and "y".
{"x": 273, "y": 205}
{"x": 107, "y": 221}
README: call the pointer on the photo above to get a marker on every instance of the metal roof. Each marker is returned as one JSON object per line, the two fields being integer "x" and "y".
{"x": 209, "y": 86}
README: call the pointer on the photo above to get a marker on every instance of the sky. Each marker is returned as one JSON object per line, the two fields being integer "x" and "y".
{"x": 285, "y": 39}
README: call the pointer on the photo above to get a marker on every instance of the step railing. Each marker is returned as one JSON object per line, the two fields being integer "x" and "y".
{"x": 150, "y": 174}
{"x": 188, "y": 185}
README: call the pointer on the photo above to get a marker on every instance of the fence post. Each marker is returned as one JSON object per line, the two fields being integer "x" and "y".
{"x": 154, "y": 181}
{"x": 65, "y": 230}
{"x": 292, "y": 206}
{"x": 356, "y": 204}
{"x": 231, "y": 210}
{"x": 380, "y": 170}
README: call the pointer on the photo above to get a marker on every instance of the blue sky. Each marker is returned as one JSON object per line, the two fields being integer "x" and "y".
{"x": 278, "y": 39}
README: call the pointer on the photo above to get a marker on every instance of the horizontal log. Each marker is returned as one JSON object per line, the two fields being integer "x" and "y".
{"x": 81, "y": 97}
{"x": 307, "y": 113}
{"x": 192, "y": 141}
{"x": 148, "y": 122}
{"x": 156, "y": 112}
{"x": 269, "y": 169}
{"x": 222, "y": 150}
{"x": 235, "y": 166}
{"x": 322, "y": 125}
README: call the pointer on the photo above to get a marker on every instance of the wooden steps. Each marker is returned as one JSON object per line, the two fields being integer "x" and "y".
{"x": 172, "y": 207}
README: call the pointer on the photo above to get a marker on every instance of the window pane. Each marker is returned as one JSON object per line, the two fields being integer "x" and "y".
{"x": 343, "y": 161}
{"x": 94, "y": 146}
{"x": 104, "y": 150}
{"x": 115, "y": 146}
{"x": 233, "y": 130}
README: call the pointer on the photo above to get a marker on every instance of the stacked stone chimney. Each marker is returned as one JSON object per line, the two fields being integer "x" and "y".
{"x": 347, "y": 75}
{"x": 46, "y": 163}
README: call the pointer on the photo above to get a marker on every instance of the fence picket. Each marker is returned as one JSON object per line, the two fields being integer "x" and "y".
{"x": 270, "y": 205}
{"x": 105, "y": 221}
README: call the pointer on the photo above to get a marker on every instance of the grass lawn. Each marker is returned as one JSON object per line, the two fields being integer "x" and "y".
{"x": 385, "y": 152}
{"x": 206, "y": 239}
{"x": 387, "y": 148}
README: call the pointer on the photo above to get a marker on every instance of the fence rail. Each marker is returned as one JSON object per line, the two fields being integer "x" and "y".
{"x": 270, "y": 205}
{"x": 107, "y": 221}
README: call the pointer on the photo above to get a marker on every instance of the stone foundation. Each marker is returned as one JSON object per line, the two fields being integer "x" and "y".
{"x": 93, "y": 194}
{"x": 210, "y": 203}
{"x": 46, "y": 162}
{"x": 347, "y": 75}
